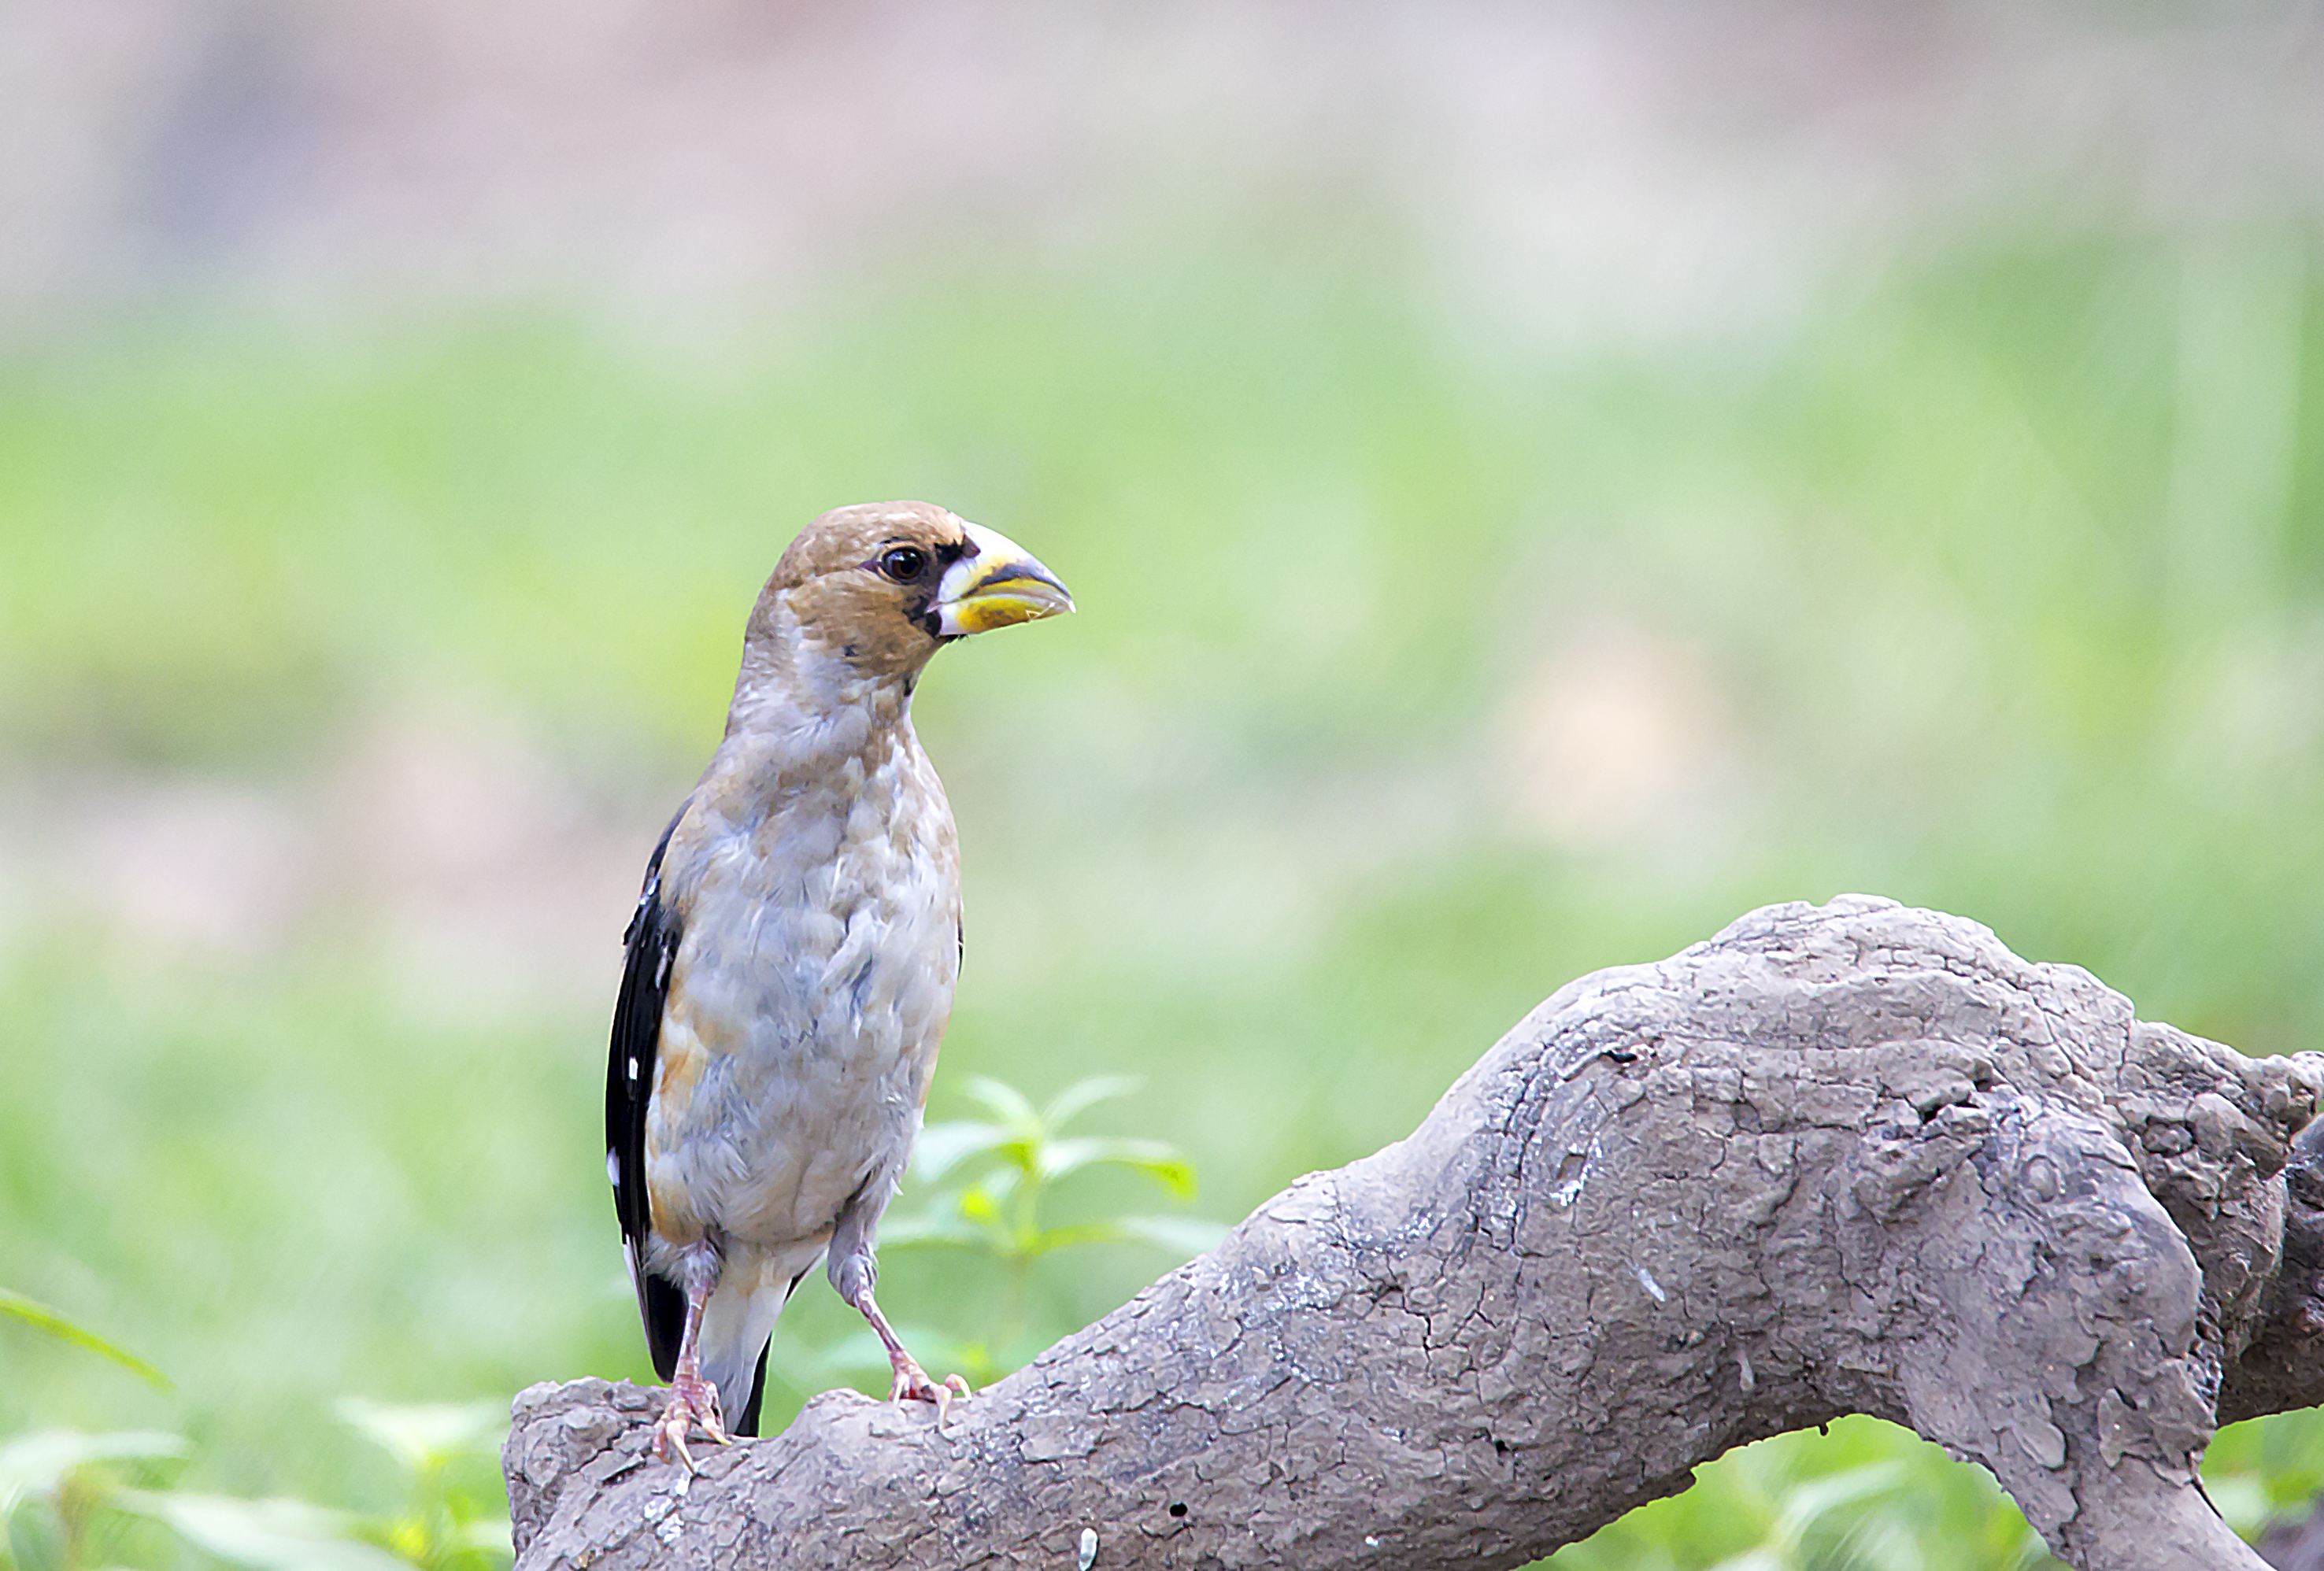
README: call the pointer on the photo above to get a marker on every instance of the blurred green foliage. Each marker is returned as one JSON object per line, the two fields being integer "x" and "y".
{"x": 1014, "y": 1159}
{"x": 70, "y": 1500}
{"x": 2003, "y": 569}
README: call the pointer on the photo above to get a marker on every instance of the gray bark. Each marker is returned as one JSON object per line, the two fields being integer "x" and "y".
{"x": 1848, "y": 1159}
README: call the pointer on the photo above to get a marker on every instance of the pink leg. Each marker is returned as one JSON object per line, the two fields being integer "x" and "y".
{"x": 693, "y": 1400}
{"x": 912, "y": 1382}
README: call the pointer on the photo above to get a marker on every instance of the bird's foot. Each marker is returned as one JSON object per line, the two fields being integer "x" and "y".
{"x": 913, "y": 1384}
{"x": 692, "y": 1404}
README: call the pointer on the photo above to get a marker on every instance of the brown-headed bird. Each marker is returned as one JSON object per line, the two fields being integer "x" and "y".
{"x": 792, "y": 959}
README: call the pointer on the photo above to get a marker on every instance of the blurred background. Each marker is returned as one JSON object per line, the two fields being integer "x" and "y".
{"x": 1539, "y": 481}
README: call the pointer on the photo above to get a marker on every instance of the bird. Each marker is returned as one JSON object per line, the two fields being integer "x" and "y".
{"x": 791, "y": 961}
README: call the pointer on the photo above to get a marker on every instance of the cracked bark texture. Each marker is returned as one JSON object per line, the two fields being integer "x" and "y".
{"x": 1848, "y": 1159}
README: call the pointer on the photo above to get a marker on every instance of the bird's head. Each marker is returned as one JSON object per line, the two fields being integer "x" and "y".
{"x": 873, "y": 591}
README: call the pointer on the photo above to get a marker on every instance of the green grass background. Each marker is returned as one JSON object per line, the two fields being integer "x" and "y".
{"x": 2005, "y": 563}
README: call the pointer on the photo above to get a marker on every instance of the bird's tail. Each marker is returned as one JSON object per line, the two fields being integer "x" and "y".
{"x": 737, "y": 1324}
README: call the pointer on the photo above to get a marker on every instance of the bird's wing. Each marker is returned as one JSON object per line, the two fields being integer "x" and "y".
{"x": 652, "y": 939}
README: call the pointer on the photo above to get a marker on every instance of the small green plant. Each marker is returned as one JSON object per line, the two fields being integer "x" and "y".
{"x": 70, "y": 1500}
{"x": 443, "y": 1526}
{"x": 998, "y": 1177}
{"x": 268, "y": 1535}
{"x": 59, "y": 1488}
{"x": 60, "y": 1492}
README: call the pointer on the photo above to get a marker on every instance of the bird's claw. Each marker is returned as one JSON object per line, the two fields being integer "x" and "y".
{"x": 692, "y": 1404}
{"x": 913, "y": 1384}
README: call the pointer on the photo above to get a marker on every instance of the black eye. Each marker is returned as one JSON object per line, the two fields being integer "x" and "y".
{"x": 904, "y": 563}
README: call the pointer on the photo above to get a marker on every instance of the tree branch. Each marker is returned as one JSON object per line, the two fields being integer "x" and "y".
{"x": 1855, "y": 1158}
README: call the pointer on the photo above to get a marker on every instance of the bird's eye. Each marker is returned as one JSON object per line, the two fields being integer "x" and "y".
{"x": 904, "y": 564}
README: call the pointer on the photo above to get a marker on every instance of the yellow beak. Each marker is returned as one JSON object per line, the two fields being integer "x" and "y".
{"x": 997, "y": 584}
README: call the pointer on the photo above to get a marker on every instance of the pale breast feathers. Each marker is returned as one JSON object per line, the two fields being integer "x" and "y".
{"x": 807, "y": 994}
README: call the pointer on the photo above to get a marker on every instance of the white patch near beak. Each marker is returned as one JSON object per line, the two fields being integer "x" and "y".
{"x": 998, "y": 584}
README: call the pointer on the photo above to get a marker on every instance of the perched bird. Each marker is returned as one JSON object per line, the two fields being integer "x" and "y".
{"x": 792, "y": 959}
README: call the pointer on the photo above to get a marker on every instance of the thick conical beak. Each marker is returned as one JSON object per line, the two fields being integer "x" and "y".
{"x": 998, "y": 584}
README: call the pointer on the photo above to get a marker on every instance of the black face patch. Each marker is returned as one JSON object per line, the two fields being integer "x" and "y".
{"x": 921, "y": 610}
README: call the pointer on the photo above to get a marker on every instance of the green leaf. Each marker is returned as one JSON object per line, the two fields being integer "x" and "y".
{"x": 40, "y": 1318}
{"x": 2242, "y": 1502}
{"x": 39, "y": 1463}
{"x": 424, "y": 1436}
{"x": 932, "y": 1231}
{"x": 860, "y": 1356}
{"x": 273, "y": 1535}
{"x": 1049, "y": 1240}
{"x": 942, "y": 1147}
{"x": 1004, "y": 1102}
{"x": 1182, "y": 1236}
{"x": 982, "y": 1200}
{"x": 980, "y": 1204}
{"x": 1760, "y": 1559}
{"x": 1185, "y": 1237}
{"x": 1157, "y": 1158}
{"x": 1082, "y": 1095}
{"x": 1880, "y": 1541}
{"x": 35, "y": 1539}
{"x": 1814, "y": 1498}
{"x": 494, "y": 1535}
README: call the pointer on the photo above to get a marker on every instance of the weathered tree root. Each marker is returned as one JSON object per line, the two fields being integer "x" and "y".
{"x": 1855, "y": 1158}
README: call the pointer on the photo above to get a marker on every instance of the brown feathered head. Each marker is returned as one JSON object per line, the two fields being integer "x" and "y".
{"x": 880, "y": 587}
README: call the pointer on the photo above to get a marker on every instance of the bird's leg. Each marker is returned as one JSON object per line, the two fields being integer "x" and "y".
{"x": 912, "y": 1382}
{"x": 693, "y": 1400}
{"x": 853, "y": 1272}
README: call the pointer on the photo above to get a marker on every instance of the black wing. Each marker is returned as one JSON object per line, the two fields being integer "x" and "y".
{"x": 652, "y": 939}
